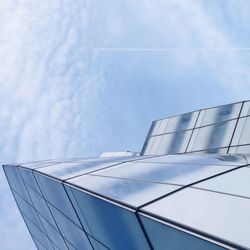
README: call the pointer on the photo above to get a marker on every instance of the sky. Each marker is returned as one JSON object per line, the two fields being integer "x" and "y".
{"x": 80, "y": 77}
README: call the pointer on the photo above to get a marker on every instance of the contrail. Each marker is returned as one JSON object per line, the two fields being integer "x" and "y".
{"x": 170, "y": 49}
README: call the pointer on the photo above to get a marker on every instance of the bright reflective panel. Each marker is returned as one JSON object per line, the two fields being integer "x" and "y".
{"x": 131, "y": 192}
{"x": 116, "y": 227}
{"x": 70, "y": 169}
{"x": 198, "y": 159}
{"x": 236, "y": 182}
{"x": 223, "y": 216}
{"x": 180, "y": 174}
{"x": 163, "y": 236}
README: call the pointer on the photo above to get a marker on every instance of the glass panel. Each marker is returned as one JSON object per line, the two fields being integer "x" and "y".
{"x": 242, "y": 133}
{"x": 38, "y": 244}
{"x": 223, "y": 216}
{"x": 38, "y": 164}
{"x": 148, "y": 146}
{"x": 37, "y": 233}
{"x": 53, "y": 234}
{"x": 40, "y": 205}
{"x": 155, "y": 145}
{"x": 70, "y": 169}
{"x": 28, "y": 211}
{"x": 16, "y": 182}
{"x": 55, "y": 193}
{"x": 214, "y": 136}
{"x": 29, "y": 178}
{"x": 166, "y": 237}
{"x": 181, "y": 174}
{"x": 235, "y": 182}
{"x": 97, "y": 245}
{"x": 163, "y": 126}
{"x": 181, "y": 122}
{"x": 70, "y": 231}
{"x": 131, "y": 192}
{"x": 78, "y": 211}
{"x": 246, "y": 109}
{"x": 173, "y": 143}
{"x": 219, "y": 114}
{"x": 155, "y": 128}
{"x": 238, "y": 131}
{"x": 200, "y": 159}
{"x": 116, "y": 227}
{"x": 243, "y": 149}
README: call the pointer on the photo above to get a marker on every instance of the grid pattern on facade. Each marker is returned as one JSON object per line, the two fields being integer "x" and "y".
{"x": 223, "y": 129}
{"x": 135, "y": 202}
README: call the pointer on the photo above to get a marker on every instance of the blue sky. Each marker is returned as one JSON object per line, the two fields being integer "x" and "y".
{"x": 81, "y": 77}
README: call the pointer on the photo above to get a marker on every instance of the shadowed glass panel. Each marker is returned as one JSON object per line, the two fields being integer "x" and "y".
{"x": 29, "y": 178}
{"x": 70, "y": 231}
{"x": 116, "y": 227}
{"x": 37, "y": 233}
{"x": 40, "y": 205}
{"x": 16, "y": 182}
{"x": 166, "y": 237}
{"x": 55, "y": 193}
{"x": 223, "y": 216}
{"x": 53, "y": 234}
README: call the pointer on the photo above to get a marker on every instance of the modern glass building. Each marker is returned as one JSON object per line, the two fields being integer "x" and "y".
{"x": 189, "y": 188}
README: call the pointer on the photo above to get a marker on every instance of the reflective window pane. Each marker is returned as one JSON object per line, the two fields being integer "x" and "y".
{"x": 27, "y": 210}
{"x": 197, "y": 159}
{"x": 53, "y": 234}
{"x": 180, "y": 174}
{"x": 131, "y": 192}
{"x": 173, "y": 143}
{"x": 70, "y": 231}
{"x": 236, "y": 182}
{"x": 29, "y": 178}
{"x": 246, "y": 109}
{"x": 205, "y": 211}
{"x": 181, "y": 122}
{"x": 214, "y": 136}
{"x": 155, "y": 145}
{"x": 55, "y": 193}
{"x": 242, "y": 133}
{"x": 219, "y": 114}
{"x": 40, "y": 205}
{"x": 155, "y": 127}
{"x": 123, "y": 232}
{"x": 38, "y": 234}
{"x": 163, "y": 236}
{"x": 16, "y": 182}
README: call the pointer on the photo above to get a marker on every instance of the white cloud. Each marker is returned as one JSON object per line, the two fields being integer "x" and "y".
{"x": 51, "y": 84}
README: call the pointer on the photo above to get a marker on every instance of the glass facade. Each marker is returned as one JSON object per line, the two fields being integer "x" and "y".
{"x": 188, "y": 189}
